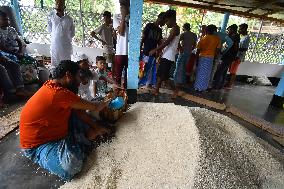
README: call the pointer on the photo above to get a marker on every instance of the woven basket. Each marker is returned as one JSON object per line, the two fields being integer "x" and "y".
{"x": 112, "y": 115}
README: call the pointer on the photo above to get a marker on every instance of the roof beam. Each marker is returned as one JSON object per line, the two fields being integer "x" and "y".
{"x": 260, "y": 5}
{"x": 216, "y": 9}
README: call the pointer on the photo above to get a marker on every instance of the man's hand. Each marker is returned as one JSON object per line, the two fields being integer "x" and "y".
{"x": 152, "y": 52}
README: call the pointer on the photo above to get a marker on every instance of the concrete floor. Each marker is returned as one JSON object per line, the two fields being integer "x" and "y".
{"x": 18, "y": 172}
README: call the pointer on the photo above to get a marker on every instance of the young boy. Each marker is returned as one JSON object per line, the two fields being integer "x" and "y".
{"x": 106, "y": 33}
{"x": 100, "y": 85}
{"x": 170, "y": 46}
{"x": 151, "y": 38}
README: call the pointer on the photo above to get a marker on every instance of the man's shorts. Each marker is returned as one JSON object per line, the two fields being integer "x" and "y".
{"x": 164, "y": 69}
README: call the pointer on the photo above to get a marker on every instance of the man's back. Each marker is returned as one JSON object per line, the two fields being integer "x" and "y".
{"x": 152, "y": 36}
{"x": 45, "y": 116}
{"x": 208, "y": 45}
{"x": 189, "y": 40}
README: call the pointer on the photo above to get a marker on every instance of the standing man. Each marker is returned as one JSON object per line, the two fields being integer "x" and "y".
{"x": 187, "y": 42}
{"x": 62, "y": 29}
{"x": 106, "y": 33}
{"x": 227, "y": 58}
{"x": 121, "y": 25}
{"x": 151, "y": 38}
{"x": 243, "y": 47}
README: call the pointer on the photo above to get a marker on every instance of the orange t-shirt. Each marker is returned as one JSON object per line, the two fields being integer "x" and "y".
{"x": 45, "y": 116}
{"x": 208, "y": 45}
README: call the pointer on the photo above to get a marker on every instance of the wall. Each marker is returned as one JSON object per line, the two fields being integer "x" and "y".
{"x": 44, "y": 49}
{"x": 259, "y": 69}
{"x": 246, "y": 68}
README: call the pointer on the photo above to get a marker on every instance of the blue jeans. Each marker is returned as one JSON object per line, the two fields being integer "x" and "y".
{"x": 64, "y": 157}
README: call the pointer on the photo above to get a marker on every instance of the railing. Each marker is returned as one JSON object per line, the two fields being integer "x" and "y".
{"x": 34, "y": 22}
{"x": 266, "y": 48}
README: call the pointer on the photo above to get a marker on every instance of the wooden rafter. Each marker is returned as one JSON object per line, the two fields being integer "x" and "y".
{"x": 222, "y": 4}
{"x": 260, "y": 5}
{"x": 216, "y": 9}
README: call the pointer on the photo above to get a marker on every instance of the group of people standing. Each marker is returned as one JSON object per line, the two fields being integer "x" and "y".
{"x": 113, "y": 34}
{"x": 212, "y": 55}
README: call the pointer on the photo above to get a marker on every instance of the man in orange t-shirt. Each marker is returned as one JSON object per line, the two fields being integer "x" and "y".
{"x": 54, "y": 131}
{"x": 207, "y": 49}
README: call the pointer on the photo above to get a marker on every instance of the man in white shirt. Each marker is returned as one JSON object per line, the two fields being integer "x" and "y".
{"x": 62, "y": 29}
{"x": 121, "y": 25}
{"x": 106, "y": 34}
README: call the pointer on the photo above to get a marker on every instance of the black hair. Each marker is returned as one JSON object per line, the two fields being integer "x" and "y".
{"x": 210, "y": 29}
{"x": 107, "y": 14}
{"x": 125, "y": 2}
{"x": 244, "y": 25}
{"x": 170, "y": 14}
{"x": 161, "y": 15}
{"x": 65, "y": 66}
{"x": 186, "y": 26}
{"x": 3, "y": 14}
{"x": 234, "y": 27}
{"x": 99, "y": 58}
{"x": 86, "y": 74}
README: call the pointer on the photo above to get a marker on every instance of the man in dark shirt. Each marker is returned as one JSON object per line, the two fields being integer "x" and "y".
{"x": 152, "y": 37}
{"x": 227, "y": 58}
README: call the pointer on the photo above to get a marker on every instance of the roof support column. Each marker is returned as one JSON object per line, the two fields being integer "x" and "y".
{"x": 278, "y": 97}
{"x": 15, "y": 4}
{"x": 225, "y": 22}
{"x": 135, "y": 28}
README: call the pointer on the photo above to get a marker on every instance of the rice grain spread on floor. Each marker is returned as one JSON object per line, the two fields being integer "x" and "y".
{"x": 169, "y": 146}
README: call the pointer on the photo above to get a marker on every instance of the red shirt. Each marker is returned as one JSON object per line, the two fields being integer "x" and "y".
{"x": 45, "y": 116}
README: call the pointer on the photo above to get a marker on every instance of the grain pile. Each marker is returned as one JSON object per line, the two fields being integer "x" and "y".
{"x": 168, "y": 146}
{"x": 9, "y": 122}
{"x": 157, "y": 146}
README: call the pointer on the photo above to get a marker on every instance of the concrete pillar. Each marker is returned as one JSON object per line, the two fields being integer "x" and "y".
{"x": 15, "y": 4}
{"x": 278, "y": 97}
{"x": 135, "y": 28}
{"x": 225, "y": 22}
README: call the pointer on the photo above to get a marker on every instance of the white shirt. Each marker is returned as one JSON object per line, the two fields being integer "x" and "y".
{"x": 171, "y": 50}
{"x": 122, "y": 41}
{"x": 62, "y": 31}
{"x": 86, "y": 91}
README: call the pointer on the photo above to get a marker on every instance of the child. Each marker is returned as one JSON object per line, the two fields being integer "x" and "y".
{"x": 84, "y": 89}
{"x": 106, "y": 33}
{"x": 170, "y": 46}
{"x": 100, "y": 85}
